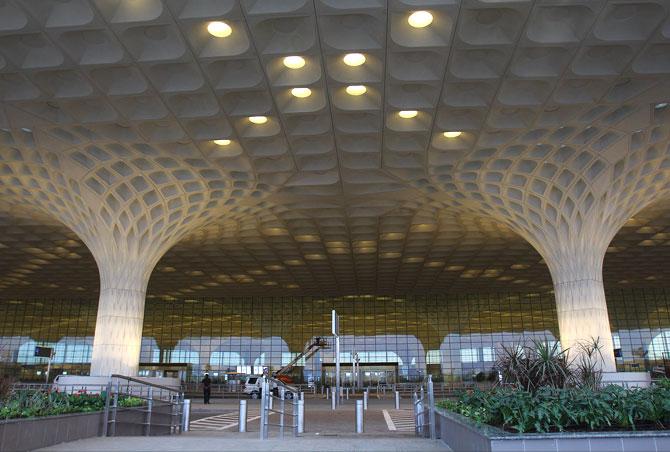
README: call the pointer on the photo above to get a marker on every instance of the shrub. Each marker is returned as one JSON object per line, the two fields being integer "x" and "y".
{"x": 542, "y": 364}
{"x": 26, "y": 403}
{"x": 556, "y": 409}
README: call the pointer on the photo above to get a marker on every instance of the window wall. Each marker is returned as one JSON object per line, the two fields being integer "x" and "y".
{"x": 452, "y": 337}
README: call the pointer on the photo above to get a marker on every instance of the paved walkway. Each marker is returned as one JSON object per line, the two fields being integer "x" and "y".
{"x": 233, "y": 443}
{"x": 214, "y": 427}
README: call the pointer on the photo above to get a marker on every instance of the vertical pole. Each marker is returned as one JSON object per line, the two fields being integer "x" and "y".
{"x": 337, "y": 369}
{"x": 333, "y": 399}
{"x": 327, "y": 393}
{"x": 264, "y": 393}
{"x": 243, "y": 416}
{"x": 359, "y": 416}
{"x": 431, "y": 408}
{"x": 347, "y": 393}
{"x": 105, "y": 424}
{"x": 365, "y": 400}
{"x": 281, "y": 412}
{"x": 115, "y": 403}
{"x": 186, "y": 416}
{"x": 397, "y": 400}
{"x": 301, "y": 415}
{"x": 420, "y": 422}
{"x": 150, "y": 405}
{"x": 49, "y": 366}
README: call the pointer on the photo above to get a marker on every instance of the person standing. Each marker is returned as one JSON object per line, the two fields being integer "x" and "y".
{"x": 206, "y": 388}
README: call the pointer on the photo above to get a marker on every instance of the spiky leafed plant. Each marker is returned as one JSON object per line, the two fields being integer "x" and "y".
{"x": 548, "y": 365}
{"x": 513, "y": 364}
{"x": 588, "y": 364}
{"x": 530, "y": 367}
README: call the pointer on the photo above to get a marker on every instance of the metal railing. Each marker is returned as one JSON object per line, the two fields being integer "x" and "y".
{"x": 296, "y": 403}
{"x": 235, "y": 391}
{"x": 157, "y": 409}
{"x": 424, "y": 410}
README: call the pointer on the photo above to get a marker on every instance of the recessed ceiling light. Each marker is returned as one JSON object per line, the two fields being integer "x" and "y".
{"x": 420, "y": 19}
{"x": 294, "y": 62}
{"x": 258, "y": 119}
{"x": 354, "y": 59}
{"x": 222, "y": 142}
{"x": 356, "y": 90}
{"x": 219, "y": 29}
{"x": 452, "y": 134}
{"x": 301, "y": 92}
{"x": 408, "y": 114}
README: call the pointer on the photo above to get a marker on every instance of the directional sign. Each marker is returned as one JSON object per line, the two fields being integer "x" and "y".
{"x": 43, "y": 352}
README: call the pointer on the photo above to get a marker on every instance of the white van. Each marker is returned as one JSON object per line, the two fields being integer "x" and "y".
{"x": 252, "y": 386}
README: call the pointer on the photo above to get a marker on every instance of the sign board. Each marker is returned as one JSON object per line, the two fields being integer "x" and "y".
{"x": 43, "y": 352}
{"x": 335, "y": 323}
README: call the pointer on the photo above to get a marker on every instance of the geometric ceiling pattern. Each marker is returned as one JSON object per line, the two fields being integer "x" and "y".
{"x": 524, "y": 125}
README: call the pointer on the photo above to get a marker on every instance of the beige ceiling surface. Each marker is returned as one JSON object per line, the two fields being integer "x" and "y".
{"x": 109, "y": 111}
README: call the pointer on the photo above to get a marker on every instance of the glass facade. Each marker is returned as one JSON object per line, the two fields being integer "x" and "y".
{"x": 394, "y": 338}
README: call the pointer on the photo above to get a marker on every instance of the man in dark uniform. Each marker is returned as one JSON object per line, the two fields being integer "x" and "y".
{"x": 206, "y": 388}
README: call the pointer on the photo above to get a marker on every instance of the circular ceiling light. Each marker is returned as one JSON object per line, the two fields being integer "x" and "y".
{"x": 219, "y": 29}
{"x": 258, "y": 119}
{"x": 354, "y": 59}
{"x": 301, "y": 92}
{"x": 452, "y": 134}
{"x": 356, "y": 90}
{"x": 420, "y": 19}
{"x": 222, "y": 142}
{"x": 294, "y": 62}
{"x": 408, "y": 114}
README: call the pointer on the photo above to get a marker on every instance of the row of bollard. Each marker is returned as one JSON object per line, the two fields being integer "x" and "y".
{"x": 361, "y": 407}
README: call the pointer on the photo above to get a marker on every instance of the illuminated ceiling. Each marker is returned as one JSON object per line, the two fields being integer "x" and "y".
{"x": 388, "y": 157}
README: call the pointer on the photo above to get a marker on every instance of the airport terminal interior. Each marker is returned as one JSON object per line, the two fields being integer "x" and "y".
{"x": 191, "y": 187}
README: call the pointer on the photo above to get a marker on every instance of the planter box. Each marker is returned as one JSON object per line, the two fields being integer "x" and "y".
{"x": 463, "y": 435}
{"x": 35, "y": 433}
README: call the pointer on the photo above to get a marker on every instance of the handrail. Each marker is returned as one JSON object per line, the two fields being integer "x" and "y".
{"x": 129, "y": 386}
{"x": 145, "y": 383}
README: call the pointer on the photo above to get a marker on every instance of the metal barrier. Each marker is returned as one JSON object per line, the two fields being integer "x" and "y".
{"x": 424, "y": 406}
{"x": 156, "y": 403}
{"x": 296, "y": 402}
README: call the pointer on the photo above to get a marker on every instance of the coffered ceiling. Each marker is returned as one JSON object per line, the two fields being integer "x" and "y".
{"x": 413, "y": 147}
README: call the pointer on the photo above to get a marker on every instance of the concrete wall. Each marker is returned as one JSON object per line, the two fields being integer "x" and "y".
{"x": 29, "y": 434}
{"x": 462, "y": 435}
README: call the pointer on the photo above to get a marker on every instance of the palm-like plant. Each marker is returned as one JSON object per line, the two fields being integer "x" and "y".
{"x": 549, "y": 365}
{"x": 588, "y": 364}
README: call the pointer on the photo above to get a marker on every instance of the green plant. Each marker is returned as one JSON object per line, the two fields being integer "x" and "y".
{"x": 587, "y": 365}
{"x": 533, "y": 366}
{"x": 26, "y": 403}
{"x": 550, "y": 409}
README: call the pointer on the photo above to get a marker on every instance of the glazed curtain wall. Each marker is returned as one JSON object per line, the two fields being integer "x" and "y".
{"x": 452, "y": 337}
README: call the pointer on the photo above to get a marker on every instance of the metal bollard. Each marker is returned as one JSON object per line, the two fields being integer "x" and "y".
{"x": 186, "y": 416}
{"x": 333, "y": 401}
{"x": 359, "y": 416}
{"x": 365, "y": 400}
{"x": 243, "y": 416}
{"x": 397, "y": 400}
{"x": 327, "y": 393}
{"x": 301, "y": 416}
{"x": 282, "y": 397}
{"x": 419, "y": 417}
{"x": 347, "y": 393}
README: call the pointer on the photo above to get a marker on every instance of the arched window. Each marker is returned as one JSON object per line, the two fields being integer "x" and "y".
{"x": 660, "y": 346}
{"x": 226, "y": 359}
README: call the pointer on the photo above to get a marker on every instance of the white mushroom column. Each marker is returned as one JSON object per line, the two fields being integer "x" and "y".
{"x": 580, "y": 301}
{"x": 118, "y": 327}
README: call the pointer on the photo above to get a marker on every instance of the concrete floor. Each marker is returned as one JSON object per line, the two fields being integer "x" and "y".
{"x": 325, "y": 430}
